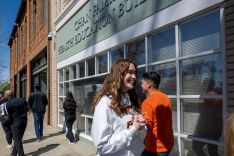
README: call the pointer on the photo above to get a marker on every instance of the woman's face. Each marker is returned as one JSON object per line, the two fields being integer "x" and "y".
{"x": 129, "y": 79}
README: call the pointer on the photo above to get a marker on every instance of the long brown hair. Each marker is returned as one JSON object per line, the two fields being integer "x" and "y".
{"x": 229, "y": 135}
{"x": 111, "y": 87}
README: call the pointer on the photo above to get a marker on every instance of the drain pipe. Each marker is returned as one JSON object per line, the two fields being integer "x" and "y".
{"x": 48, "y": 62}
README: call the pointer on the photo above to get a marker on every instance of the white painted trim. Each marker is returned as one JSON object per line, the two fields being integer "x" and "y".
{"x": 190, "y": 137}
{"x": 68, "y": 13}
{"x": 86, "y": 136}
{"x": 158, "y": 20}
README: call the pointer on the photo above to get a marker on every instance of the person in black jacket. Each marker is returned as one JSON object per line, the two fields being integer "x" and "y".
{"x": 17, "y": 108}
{"x": 37, "y": 101}
{"x": 69, "y": 107}
{"x": 6, "y": 122}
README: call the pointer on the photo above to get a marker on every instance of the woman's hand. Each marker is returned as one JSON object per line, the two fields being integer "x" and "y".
{"x": 138, "y": 121}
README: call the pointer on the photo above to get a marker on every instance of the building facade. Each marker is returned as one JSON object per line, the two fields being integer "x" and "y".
{"x": 190, "y": 43}
{"x": 28, "y": 49}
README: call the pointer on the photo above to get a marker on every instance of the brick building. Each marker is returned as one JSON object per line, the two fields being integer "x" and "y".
{"x": 28, "y": 49}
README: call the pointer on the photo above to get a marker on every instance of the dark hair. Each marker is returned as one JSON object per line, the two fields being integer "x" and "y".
{"x": 153, "y": 77}
{"x": 37, "y": 86}
{"x": 69, "y": 103}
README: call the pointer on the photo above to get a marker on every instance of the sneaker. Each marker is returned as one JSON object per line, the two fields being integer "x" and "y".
{"x": 38, "y": 140}
{"x": 66, "y": 138}
{"x": 71, "y": 142}
{"x": 9, "y": 146}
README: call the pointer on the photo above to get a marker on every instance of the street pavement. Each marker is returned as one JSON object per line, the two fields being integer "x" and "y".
{"x": 53, "y": 143}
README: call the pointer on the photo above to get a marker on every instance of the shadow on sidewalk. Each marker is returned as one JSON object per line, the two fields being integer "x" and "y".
{"x": 42, "y": 150}
{"x": 44, "y": 137}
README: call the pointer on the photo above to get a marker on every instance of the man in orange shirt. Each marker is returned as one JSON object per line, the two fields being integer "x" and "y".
{"x": 158, "y": 114}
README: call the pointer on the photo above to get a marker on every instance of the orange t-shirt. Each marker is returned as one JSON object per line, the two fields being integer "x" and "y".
{"x": 158, "y": 113}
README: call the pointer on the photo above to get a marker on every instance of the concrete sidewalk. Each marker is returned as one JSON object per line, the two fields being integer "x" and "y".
{"x": 53, "y": 143}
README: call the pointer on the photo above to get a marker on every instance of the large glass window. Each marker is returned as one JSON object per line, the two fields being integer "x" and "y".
{"x": 91, "y": 66}
{"x": 61, "y": 75}
{"x": 202, "y": 74}
{"x": 84, "y": 91}
{"x": 140, "y": 93}
{"x": 66, "y": 72}
{"x": 136, "y": 51}
{"x": 201, "y": 34}
{"x": 197, "y": 148}
{"x": 81, "y": 70}
{"x": 202, "y": 117}
{"x": 192, "y": 80}
{"x": 174, "y": 114}
{"x": 167, "y": 72}
{"x": 102, "y": 63}
{"x": 73, "y": 72}
{"x": 161, "y": 45}
{"x": 116, "y": 54}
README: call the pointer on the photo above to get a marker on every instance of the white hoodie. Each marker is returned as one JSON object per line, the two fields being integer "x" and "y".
{"x": 110, "y": 134}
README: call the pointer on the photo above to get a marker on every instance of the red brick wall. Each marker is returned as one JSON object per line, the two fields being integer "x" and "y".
{"x": 35, "y": 43}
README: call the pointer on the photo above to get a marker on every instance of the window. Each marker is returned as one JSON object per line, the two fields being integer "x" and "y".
{"x": 73, "y": 71}
{"x": 201, "y": 74}
{"x": 161, "y": 46}
{"x": 91, "y": 66}
{"x": 167, "y": 72}
{"x": 66, "y": 73}
{"x": 34, "y": 13}
{"x": 43, "y": 10}
{"x": 102, "y": 63}
{"x": 81, "y": 70}
{"x": 201, "y": 34}
{"x": 136, "y": 51}
{"x": 116, "y": 54}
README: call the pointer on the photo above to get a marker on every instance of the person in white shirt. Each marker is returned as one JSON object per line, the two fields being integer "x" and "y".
{"x": 118, "y": 126}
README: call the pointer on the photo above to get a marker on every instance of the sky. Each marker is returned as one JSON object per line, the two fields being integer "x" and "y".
{"x": 8, "y": 13}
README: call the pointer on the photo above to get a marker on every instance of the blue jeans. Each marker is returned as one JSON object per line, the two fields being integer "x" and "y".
{"x": 38, "y": 124}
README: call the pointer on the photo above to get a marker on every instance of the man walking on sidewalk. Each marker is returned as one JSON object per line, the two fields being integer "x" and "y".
{"x": 17, "y": 109}
{"x": 6, "y": 122}
{"x": 37, "y": 101}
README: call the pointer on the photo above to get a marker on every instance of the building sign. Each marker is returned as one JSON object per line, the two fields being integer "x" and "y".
{"x": 100, "y": 19}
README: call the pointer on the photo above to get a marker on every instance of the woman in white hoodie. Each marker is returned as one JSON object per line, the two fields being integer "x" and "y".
{"x": 118, "y": 127}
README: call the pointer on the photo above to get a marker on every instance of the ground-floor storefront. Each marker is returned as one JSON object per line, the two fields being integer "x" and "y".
{"x": 187, "y": 50}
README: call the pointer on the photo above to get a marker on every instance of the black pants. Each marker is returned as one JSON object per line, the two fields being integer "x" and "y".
{"x": 18, "y": 128}
{"x": 70, "y": 118}
{"x": 6, "y": 125}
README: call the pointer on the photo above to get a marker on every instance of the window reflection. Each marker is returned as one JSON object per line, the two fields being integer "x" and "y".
{"x": 116, "y": 54}
{"x": 61, "y": 75}
{"x": 174, "y": 114}
{"x": 202, "y": 117}
{"x": 140, "y": 93}
{"x": 196, "y": 71}
{"x": 66, "y": 73}
{"x": 162, "y": 46}
{"x": 197, "y": 148}
{"x": 73, "y": 71}
{"x": 102, "y": 63}
{"x": 81, "y": 69}
{"x": 84, "y": 92}
{"x": 168, "y": 77}
{"x": 136, "y": 51}
{"x": 201, "y": 34}
{"x": 91, "y": 66}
